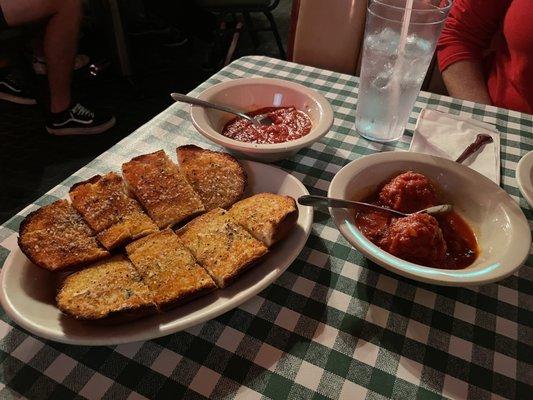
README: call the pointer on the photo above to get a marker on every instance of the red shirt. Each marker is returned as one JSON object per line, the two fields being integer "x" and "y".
{"x": 474, "y": 27}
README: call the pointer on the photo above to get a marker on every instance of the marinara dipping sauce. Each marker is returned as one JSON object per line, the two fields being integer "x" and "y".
{"x": 288, "y": 124}
{"x": 441, "y": 241}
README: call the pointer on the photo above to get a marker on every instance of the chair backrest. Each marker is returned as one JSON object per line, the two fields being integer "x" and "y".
{"x": 327, "y": 34}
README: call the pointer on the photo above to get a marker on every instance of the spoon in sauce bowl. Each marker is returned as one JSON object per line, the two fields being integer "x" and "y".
{"x": 258, "y": 120}
{"x": 310, "y": 200}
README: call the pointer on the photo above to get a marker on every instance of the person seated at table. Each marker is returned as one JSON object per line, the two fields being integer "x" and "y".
{"x": 38, "y": 59}
{"x": 62, "y": 25}
{"x": 485, "y": 52}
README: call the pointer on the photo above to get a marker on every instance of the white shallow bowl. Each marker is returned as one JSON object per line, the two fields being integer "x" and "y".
{"x": 250, "y": 94}
{"x": 524, "y": 177}
{"x": 27, "y": 292}
{"x": 501, "y": 229}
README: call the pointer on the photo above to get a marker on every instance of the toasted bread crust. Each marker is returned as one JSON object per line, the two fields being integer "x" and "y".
{"x": 161, "y": 188}
{"x": 268, "y": 217}
{"x": 164, "y": 269}
{"x": 103, "y": 203}
{"x": 221, "y": 246}
{"x": 168, "y": 269}
{"x": 93, "y": 179}
{"x": 218, "y": 178}
{"x": 55, "y": 237}
{"x": 107, "y": 289}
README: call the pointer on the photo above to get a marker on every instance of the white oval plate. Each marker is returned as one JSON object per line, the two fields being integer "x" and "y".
{"x": 27, "y": 291}
{"x": 524, "y": 177}
{"x": 501, "y": 229}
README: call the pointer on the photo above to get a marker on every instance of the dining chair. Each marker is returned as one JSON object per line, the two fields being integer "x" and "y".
{"x": 327, "y": 34}
{"x": 335, "y": 42}
{"x": 245, "y": 8}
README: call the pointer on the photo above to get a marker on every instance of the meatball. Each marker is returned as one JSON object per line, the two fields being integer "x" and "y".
{"x": 416, "y": 238}
{"x": 408, "y": 192}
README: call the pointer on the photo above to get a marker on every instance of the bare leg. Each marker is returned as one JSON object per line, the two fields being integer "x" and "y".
{"x": 60, "y": 40}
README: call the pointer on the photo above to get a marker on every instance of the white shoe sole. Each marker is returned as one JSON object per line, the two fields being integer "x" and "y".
{"x": 17, "y": 100}
{"x": 94, "y": 130}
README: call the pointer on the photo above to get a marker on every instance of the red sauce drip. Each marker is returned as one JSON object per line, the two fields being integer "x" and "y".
{"x": 461, "y": 245}
{"x": 288, "y": 124}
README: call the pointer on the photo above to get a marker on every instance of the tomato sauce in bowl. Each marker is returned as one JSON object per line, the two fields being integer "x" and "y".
{"x": 442, "y": 241}
{"x": 288, "y": 124}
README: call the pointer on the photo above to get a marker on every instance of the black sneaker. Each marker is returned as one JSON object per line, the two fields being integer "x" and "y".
{"x": 79, "y": 120}
{"x": 12, "y": 90}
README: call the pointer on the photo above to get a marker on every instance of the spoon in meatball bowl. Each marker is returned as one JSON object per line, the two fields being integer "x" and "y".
{"x": 310, "y": 200}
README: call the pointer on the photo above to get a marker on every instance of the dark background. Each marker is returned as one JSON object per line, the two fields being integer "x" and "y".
{"x": 32, "y": 161}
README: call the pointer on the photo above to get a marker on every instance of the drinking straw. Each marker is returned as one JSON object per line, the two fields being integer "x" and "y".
{"x": 405, "y": 25}
{"x": 397, "y": 69}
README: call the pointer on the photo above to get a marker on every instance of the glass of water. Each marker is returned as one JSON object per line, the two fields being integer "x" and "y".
{"x": 400, "y": 39}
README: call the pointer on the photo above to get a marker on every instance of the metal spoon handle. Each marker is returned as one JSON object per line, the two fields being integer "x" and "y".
{"x": 310, "y": 200}
{"x": 197, "y": 102}
{"x": 440, "y": 209}
{"x": 481, "y": 140}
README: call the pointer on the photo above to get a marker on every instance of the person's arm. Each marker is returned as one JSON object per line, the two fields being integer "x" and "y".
{"x": 467, "y": 34}
{"x": 465, "y": 80}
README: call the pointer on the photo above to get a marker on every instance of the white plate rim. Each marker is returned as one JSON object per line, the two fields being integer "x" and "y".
{"x": 424, "y": 274}
{"x": 305, "y": 217}
{"x": 523, "y": 177}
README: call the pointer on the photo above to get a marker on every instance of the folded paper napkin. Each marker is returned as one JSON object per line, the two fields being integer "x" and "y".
{"x": 447, "y": 136}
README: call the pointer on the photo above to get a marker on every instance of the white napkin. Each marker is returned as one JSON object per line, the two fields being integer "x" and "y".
{"x": 447, "y": 136}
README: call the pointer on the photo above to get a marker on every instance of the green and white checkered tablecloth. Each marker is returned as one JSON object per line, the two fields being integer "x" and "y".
{"x": 334, "y": 325}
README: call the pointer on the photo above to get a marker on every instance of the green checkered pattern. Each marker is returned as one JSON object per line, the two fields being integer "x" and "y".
{"x": 334, "y": 325}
